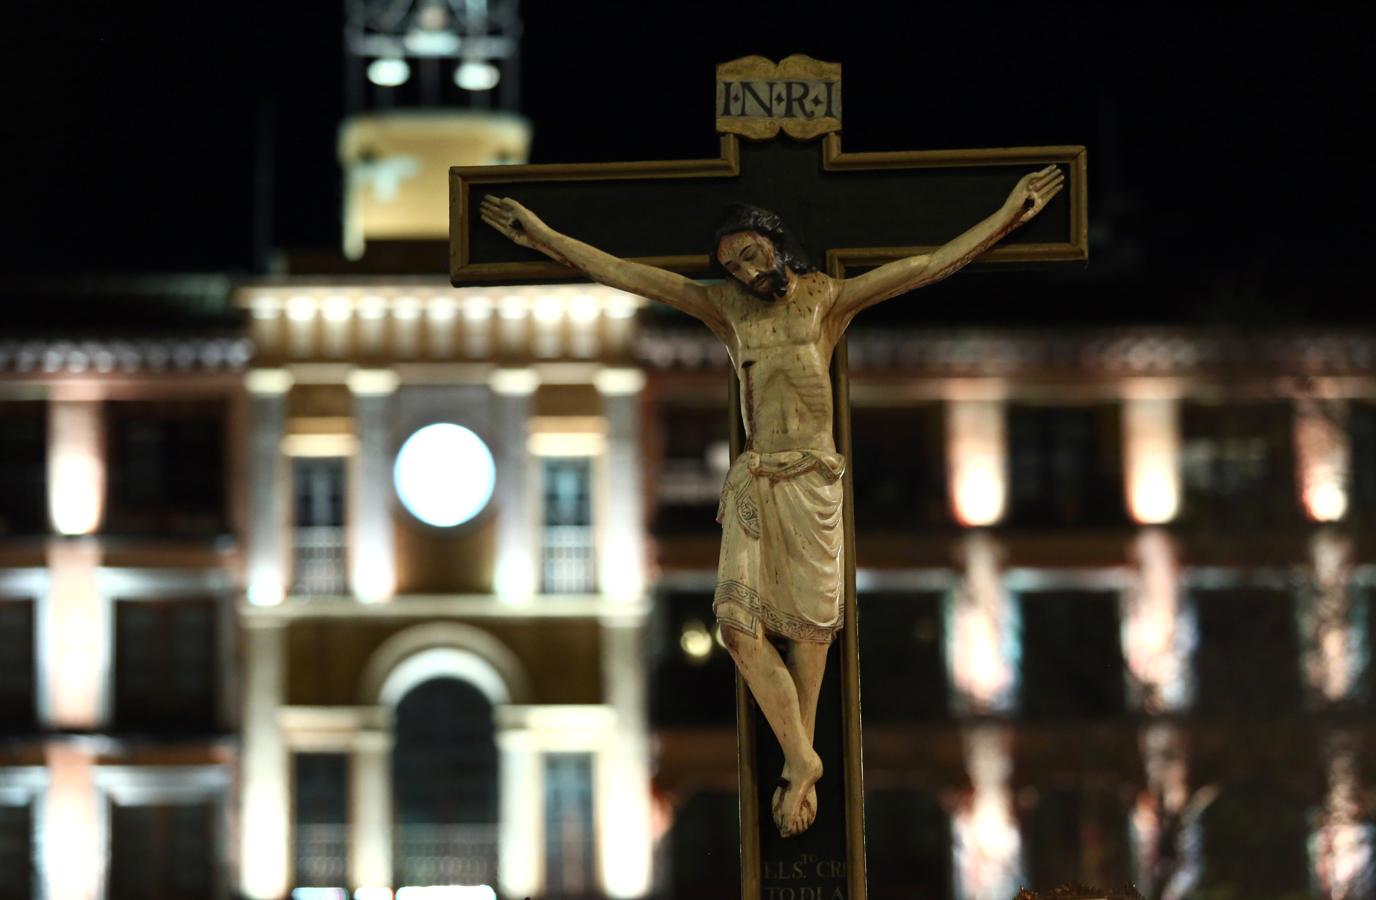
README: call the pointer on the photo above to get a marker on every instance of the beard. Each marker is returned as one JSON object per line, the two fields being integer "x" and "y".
{"x": 771, "y": 285}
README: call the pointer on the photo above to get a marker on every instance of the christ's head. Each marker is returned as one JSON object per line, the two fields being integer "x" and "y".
{"x": 753, "y": 246}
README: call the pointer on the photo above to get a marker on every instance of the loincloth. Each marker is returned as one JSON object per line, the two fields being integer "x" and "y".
{"x": 781, "y": 545}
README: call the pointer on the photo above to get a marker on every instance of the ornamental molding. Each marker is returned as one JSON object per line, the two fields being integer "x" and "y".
{"x": 109, "y": 357}
{"x": 1107, "y": 353}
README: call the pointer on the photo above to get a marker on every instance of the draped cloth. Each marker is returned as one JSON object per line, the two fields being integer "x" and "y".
{"x": 781, "y": 545}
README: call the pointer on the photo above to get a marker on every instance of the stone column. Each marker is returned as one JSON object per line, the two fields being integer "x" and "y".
{"x": 1331, "y": 636}
{"x": 515, "y": 579}
{"x": 76, "y": 463}
{"x": 268, "y": 497}
{"x": 1151, "y": 458}
{"x": 1158, "y": 627}
{"x": 1323, "y": 454}
{"x": 977, "y": 460}
{"x": 75, "y": 638}
{"x": 73, "y": 857}
{"x": 1342, "y": 843}
{"x": 372, "y": 552}
{"x": 370, "y": 819}
{"x": 983, "y": 622}
{"x": 265, "y": 798}
{"x": 624, "y": 842}
{"x": 520, "y": 827}
{"x": 1164, "y": 816}
{"x": 986, "y": 840}
{"x": 621, "y": 534}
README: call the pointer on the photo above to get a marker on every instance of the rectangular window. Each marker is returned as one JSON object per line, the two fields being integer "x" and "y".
{"x": 692, "y": 681}
{"x": 166, "y": 467}
{"x": 899, "y": 461}
{"x": 319, "y": 554}
{"x": 23, "y": 468}
{"x": 18, "y": 690}
{"x": 1078, "y": 834}
{"x": 16, "y": 852}
{"x": 569, "y": 836}
{"x": 162, "y": 852}
{"x": 322, "y": 819}
{"x": 1246, "y": 661}
{"x": 567, "y": 557}
{"x": 908, "y": 842}
{"x": 1362, "y": 429}
{"x": 902, "y": 637}
{"x": 704, "y": 846}
{"x": 1064, "y": 466}
{"x": 695, "y": 455}
{"x": 1238, "y": 465}
{"x": 165, "y": 665}
{"x": 1072, "y": 655}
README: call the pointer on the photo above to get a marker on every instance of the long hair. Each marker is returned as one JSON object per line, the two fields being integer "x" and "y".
{"x": 740, "y": 217}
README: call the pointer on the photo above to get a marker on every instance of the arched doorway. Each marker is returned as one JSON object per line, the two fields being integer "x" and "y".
{"x": 444, "y": 782}
{"x": 443, "y": 683}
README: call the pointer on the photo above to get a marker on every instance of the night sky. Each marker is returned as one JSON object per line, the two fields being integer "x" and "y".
{"x": 1227, "y": 152}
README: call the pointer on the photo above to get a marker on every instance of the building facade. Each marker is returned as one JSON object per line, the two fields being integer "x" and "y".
{"x": 1115, "y": 602}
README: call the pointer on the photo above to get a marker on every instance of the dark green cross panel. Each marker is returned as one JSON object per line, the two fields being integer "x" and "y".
{"x": 851, "y": 209}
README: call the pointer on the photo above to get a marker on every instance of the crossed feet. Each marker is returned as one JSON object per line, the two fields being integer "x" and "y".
{"x": 795, "y": 799}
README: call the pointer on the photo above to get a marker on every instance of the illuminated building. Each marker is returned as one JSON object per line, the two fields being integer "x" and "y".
{"x": 1115, "y": 586}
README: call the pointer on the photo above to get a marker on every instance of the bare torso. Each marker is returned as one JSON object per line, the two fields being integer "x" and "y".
{"x": 781, "y": 351}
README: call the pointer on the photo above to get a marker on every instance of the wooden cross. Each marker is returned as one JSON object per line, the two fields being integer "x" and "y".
{"x": 854, "y": 210}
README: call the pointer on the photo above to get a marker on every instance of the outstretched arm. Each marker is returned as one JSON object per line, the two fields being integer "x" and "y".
{"x": 525, "y": 228}
{"x": 1028, "y": 199}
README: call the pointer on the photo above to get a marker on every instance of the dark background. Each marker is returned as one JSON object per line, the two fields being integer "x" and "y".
{"x": 1227, "y": 150}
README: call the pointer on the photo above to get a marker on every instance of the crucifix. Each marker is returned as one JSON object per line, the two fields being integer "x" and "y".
{"x": 807, "y": 241}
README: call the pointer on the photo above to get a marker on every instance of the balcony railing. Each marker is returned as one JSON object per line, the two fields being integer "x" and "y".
{"x": 319, "y": 561}
{"x": 688, "y": 482}
{"x": 322, "y": 854}
{"x": 445, "y": 854}
{"x": 567, "y": 560}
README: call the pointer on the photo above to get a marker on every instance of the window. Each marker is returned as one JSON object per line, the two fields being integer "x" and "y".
{"x": 696, "y": 457}
{"x": 444, "y": 776}
{"x": 318, "y": 485}
{"x": 901, "y": 636}
{"x": 691, "y": 681}
{"x": 705, "y": 847}
{"x": 908, "y": 842}
{"x": 1077, "y": 834}
{"x": 899, "y": 465}
{"x": 1247, "y": 661}
{"x": 569, "y": 836}
{"x": 1362, "y": 429}
{"x": 1072, "y": 656}
{"x": 16, "y": 852}
{"x": 1064, "y": 466}
{"x": 1254, "y": 838}
{"x": 162, "y": 852}
{"x": 567, "y": 536}
{"x": 18, "y": 710}
{"x": 166, "y": 467}
{"x": 1238, "y": 465}
{"x": 322, "y": 819}
{"x": 23, "y": 468}
{"x": 165, "y": 662}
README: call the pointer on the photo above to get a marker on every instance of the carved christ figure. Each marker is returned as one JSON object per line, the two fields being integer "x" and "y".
{"x": 780, "y": 572}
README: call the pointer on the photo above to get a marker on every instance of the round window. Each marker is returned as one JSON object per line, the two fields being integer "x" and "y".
{"x": 444, "y": 475}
